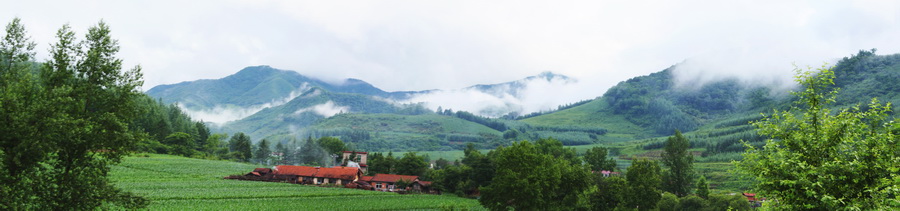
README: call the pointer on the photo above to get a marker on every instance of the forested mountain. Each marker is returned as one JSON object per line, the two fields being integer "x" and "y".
{"x": 254, "y": 86}
{"x": 638, "y": 108}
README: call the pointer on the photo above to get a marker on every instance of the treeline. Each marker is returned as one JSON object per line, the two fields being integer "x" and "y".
{"x": 491, "y": 123}
{"x": 544, "y": 175}
{"x": 538, "y": 113}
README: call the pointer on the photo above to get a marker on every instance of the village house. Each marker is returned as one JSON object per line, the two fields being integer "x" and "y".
{"x": 317, "y": 175}
{"x": 355, "y": 159}
{"x": 386, "y": 182}
{"x": 420, "y": 186}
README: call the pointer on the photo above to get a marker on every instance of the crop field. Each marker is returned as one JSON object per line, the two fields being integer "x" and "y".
{"x": 178, "y": 183}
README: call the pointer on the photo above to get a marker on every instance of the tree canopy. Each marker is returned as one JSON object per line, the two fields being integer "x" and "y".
{"x": 825, "y": 160}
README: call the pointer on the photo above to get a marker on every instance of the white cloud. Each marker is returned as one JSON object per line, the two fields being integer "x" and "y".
{"x": 220, "y": 114}
{"x": 326, "y": 109}
{"x": 420, "y": 45}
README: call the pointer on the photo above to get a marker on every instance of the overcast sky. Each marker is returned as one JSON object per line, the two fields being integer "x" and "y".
{"x": 418, "y": 45}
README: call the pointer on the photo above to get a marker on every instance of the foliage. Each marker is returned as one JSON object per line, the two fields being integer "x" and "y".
{"x": 677, "y": 179}
{"x": 332, "y": 145}
{"x": 643, "y": 184}
{"x": 412, "y": 164}
{"x": 313, "y": 154}
{"x": 596, "y": 157}
{"x": 181, "y": 144}
{"x": 262, "y": 151}
{"x": 64, "y": 126}
{"x": 240, "y": 147}
{"x": 611, "y": 192}
{"x": 702, "y": 188}
{"x": 527, "y": 179}
{"x": 668, "y": 202}
{"x": 735, "y": 202}
{"x": 692, "y": 202}
{"x": 818, "y": 159}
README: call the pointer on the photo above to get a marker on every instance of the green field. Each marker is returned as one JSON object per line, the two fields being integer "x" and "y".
{"x": 178, "y": 183}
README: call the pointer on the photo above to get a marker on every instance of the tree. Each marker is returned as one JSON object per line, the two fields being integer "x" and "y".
{"x": 66, "y": 126}
{"x": 202, "y": 136}
{"x": 822, "y": 160}
{"x": 313, "y": 154}
{"x": 702, "y": 188}
{"x": 412, "y": 164}
{"x": 181, "y": 144}
{"x": 677, "y": 179}
{"x": 263, "y": 151}
{"x": 597, "y": 158}
{"x": 526, "y": 179}
{"x": 332, "y": 145}
{"x": 668, "y": 202}
{"x": 555, "y": 148}
{"x": 611, "y": 192}
{"x": 482, "y": 168}
{"x": 240, "y": 147}
{"x": 643, "y": 184}
{"x": 441, "y": 163}
{"x": 692, "y": 202}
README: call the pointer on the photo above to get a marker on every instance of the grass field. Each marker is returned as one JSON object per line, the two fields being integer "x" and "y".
{"x": 178, "y": 183}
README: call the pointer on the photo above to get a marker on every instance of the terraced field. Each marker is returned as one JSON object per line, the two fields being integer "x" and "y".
{"x": 178, "y": 183}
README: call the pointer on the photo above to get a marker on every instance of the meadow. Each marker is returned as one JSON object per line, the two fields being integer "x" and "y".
{"x": 178, "y": 183}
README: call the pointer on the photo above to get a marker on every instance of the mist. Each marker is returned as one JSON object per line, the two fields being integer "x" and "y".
{"x": 326, "y": 109}
{"x": 221, "y": 114}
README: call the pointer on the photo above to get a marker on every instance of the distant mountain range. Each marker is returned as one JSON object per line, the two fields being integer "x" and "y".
{"x": 281, "y": 105}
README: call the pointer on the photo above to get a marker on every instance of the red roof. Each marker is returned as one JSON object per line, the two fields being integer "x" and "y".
{"x": 424, "y": 183}
{"x": 366, "y": 178}
{"x": 305, "y": 171}
{"x": 263, "y": 170}
{"x": 346, "y": 173}
{"x": 393, "y": 178}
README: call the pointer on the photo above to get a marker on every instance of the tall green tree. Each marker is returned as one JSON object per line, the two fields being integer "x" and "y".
{"x": 262, "y": 151}
{"x": 241, "y": 149}
{"x": 332, "y": 145}
{"x": 527, "y": 179}
{"x": 313, "y": 154}
{"x": 702, "y": 188}
{"x": 597, "y": 158}
{"x": 643, "y": 184}
{"x": 677, "y": 179}
{"x": 180, "y": 144}
{"x": 412, "y": 164}
{"x": 818, "y": 159}
{"x": 64, "y": 127}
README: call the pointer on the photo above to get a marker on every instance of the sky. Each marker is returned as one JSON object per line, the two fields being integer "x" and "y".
{"x": 422, "y": 45}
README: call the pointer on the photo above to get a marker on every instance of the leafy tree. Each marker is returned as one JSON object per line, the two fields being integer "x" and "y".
{"x": 64, "y": 127}
{"x": 529, "y": 180}
{"x": 313, "y": 154}
{"x": 263, "y": 151}
{"x": 668, "y": 202}
{"x": 692, "y": 202}
{"x": 240, "y": 147}
{"x": 482, "y": 168}
{"x": 441, "y": 163}
{"x": 611, "y": 192}
{"x": 181, "y": 144}
{"x": 819, "y": 159}
{"x": 728, "y": 202}
{"x": 597, "y": 158}
{"x": 332, "y": 145}
{"x": 412, "y": 164}
{"x": 202, "y": 136}
{"x": 643, "y": 184}
{"x": 555, "y": 148}
{"x": 702, "y": 188}
{"x": 677, "y": 179}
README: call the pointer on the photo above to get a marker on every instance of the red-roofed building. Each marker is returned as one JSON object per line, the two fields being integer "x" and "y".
{"x": 337, "y": 175}
{"x": 750, "y": 197}
{"x": 366, "y": 178}
{"x": 385, "y": 182}
{"x": 317, "y": 175}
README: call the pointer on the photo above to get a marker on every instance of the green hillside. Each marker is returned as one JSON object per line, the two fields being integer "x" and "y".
{"x": 178, "y": 183}
{"x": 386, "y": 132}
{"x": 307, "y": 108}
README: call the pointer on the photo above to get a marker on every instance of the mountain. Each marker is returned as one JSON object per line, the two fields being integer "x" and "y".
{"x": 255, "y": 86}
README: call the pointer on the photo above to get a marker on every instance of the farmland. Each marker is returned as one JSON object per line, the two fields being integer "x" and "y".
{"x": 178, "y": 183}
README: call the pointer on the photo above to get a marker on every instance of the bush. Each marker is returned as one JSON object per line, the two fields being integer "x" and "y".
{"x": 669, "y": 202}
{"x": 692, "y": 202}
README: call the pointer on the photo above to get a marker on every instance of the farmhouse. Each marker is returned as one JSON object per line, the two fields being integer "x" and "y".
{"x": 317, "y": 175}
{"x": 355, "y": 159}
{"x": 386, "y": 182}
